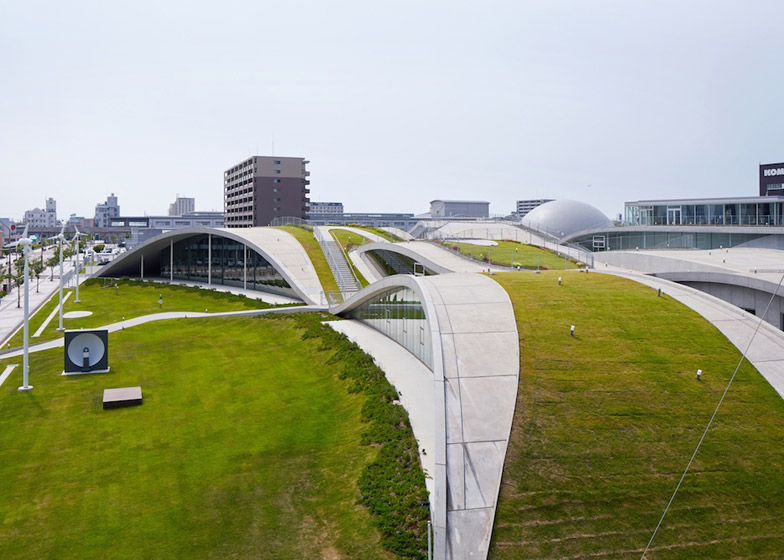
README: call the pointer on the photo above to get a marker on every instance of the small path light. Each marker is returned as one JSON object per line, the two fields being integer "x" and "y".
{"x": 659, "y": 294}
{"x": 559, "y": 280}
{"x": 699, "y": 375}
{"x": 571, "y": 331}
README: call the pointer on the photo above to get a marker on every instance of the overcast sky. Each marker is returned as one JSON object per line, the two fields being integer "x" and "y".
{"x": 394, "y": 103}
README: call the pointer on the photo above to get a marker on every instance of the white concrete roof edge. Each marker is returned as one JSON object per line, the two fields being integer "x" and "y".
{"x": 406, "y": 251}
{"x": 449, "y": 525}
{"x": 230, "y": 233}
{"x": 438, "y": 507}
{"x": 761, "y": 284}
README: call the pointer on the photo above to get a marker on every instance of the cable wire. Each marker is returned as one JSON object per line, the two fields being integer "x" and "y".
{"x": 704, "y": 433}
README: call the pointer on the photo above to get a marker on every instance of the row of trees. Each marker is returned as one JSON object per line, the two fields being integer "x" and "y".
{"x": 15, "y": 273}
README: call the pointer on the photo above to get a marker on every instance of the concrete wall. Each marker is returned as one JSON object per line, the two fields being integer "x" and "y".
{"x": 746, "y": 298}
{"x": 649, "y": 262}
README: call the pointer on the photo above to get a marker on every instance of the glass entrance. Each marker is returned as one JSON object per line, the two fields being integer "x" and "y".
{"x": 673, "y": 215}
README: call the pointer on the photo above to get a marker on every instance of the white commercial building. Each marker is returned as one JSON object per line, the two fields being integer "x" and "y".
{"x": 105, "y": 211}
{"x": 38, "y": 218}
{"x": 182, "y": 205}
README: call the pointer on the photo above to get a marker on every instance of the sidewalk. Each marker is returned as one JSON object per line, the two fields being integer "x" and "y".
{"x": 121, "y": 325}
{"x": 12, "y": 317}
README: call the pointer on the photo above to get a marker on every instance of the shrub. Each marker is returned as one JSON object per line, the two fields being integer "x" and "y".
{"x": 392, "y": 486}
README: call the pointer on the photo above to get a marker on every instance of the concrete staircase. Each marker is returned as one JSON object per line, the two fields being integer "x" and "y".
{"x": 342, "y": 272}
{"x": 344, "y": 276}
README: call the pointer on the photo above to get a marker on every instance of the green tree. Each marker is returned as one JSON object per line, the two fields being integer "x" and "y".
{"x": 52, "y": 262}
{"x": 36, "y": 268}
{"x": 18, "y": 277}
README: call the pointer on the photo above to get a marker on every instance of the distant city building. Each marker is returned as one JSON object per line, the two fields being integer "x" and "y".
{"x": 771, "y": 177}
{"x": 80, "y": 221}
{"x": 262, "y": 188}
{"x": 6, "y": 230}
{"x": 459, "y": 209}
{"x": 38, "y": 218}
{"x": 525, "y": 206}
{"x": 326, "y": 208}
{"x": 182, "y": 205}
{"x": 189, "y": 219}
{"x": 402, "y": 221}
{"x": 105, "y": 211}
{"x": 733, "y": 211}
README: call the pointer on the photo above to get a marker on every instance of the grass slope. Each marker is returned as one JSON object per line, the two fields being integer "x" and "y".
{"x": 607, "y": 420}
{"x": 132, "y": 299}
{"x": 508, "y": 253}
{"x": 306, "y": 239}
{"x": 247, "y": 446}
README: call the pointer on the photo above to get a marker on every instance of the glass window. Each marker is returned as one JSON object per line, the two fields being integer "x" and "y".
{"x": 399, "y": 314}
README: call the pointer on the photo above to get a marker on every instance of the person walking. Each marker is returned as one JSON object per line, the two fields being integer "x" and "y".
{"x": 160, "y": 301}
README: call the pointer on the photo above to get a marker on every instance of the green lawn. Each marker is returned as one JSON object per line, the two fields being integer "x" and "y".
{"x": 248, "y": 445}
{"x": 316, "y": 255}
{"x": 380, "y": 232}
{"x": 132, "y": 299}
{"x": 607, "y": 420}
{"x": 350, "y": 240}
{"x": 513, "y": 253}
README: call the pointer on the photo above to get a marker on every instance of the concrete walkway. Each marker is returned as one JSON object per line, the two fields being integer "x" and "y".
{"x": 368, "y": 235}
{"x": 766, "y": 352}
{"x": 128, "y": 323}
{"x": 266, "y": 297}
{"x": 408, "y": 375}
{"x": 12, "y": 317}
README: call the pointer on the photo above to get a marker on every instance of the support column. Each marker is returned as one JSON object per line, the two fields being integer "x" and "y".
{"x": 171, "y": 260}
{"x": 142, "y": 267}
{"x": 209, "y": 259}
{"x": 244, "y": 267}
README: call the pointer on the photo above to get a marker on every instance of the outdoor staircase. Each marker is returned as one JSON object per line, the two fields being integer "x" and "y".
{"x": 344, "y": 276}
{"x": 396, "y": 263}
{"x": 340, "y": 268}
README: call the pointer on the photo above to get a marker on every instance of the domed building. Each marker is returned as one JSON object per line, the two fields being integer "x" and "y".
{"x": 564, "y": 218}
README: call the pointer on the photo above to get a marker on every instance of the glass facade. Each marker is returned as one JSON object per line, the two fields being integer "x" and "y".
{"x": 399, "y": 314}
{"x": 622, "y": 239}
{"x": 764, "y": 211}
{"x": 192, "y": 262}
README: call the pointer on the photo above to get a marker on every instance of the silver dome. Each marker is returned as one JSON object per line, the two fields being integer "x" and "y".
{"x": 563, "y": 218}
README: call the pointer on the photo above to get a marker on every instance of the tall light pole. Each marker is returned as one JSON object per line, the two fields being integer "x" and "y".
{"x": 25, "y": 242}
{"x": 60, "y": 237}
{"x": 76, "y": 237}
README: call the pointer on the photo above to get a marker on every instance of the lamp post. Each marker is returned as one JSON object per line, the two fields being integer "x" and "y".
{"x": 25, "y": 242}
{"x": 60, "y": 237}
{"x": 76, "y": 237}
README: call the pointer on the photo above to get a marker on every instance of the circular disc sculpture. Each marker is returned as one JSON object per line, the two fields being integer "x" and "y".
{"x": 86, "y": 352}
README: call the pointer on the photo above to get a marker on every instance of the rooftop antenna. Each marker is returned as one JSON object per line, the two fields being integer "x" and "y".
{"x": 60, "y": 238}
{"x": 25, "y": 242}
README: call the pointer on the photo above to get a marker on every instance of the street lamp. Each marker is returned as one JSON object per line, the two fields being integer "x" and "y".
{"x": 60, "y": 238}
{"x": 25, "y": 242}
{"x": 76, "y": 237}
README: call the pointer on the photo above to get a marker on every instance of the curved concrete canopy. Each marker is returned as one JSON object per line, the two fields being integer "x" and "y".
{"x": 564, "y": 218}
{"x": 470, "y": 317}
{"x": 434, "y": 258}
{"x": 366, "y": 234}
{"x": 278, "y": 247}
{"x": 479, "y": 230}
